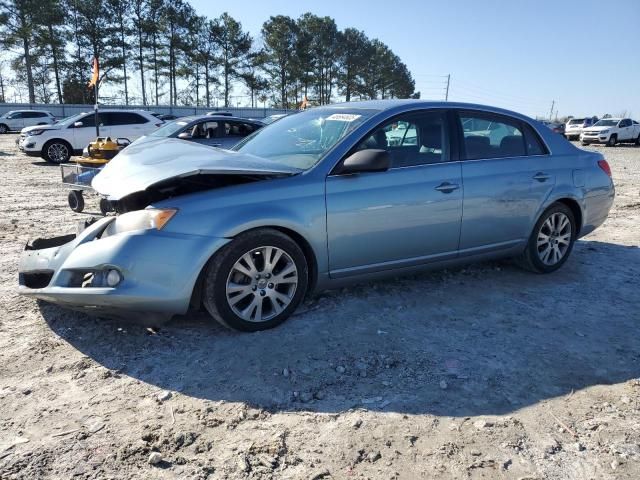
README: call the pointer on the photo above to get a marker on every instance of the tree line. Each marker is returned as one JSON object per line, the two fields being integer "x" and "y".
{"x": 158, "y": 52}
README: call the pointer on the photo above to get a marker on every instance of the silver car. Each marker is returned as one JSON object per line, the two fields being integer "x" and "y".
{"x": 329, "y": 196}
{"x": 221, "y": 131}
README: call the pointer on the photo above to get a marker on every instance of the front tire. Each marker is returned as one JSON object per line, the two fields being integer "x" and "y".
{"x": 76, "y": 200}
{"x": 256, "y": 281}
{"x": 3, "y": 128}
{"x": 56, "y": 151}
{"x": 613, "y": 139}
{"x": 551, "y": 241}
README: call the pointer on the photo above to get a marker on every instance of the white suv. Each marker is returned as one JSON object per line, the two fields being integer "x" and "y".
{"x": 57, "y": 143}
{"x": 16, "y": 120}
{"x": 574, "y": 127}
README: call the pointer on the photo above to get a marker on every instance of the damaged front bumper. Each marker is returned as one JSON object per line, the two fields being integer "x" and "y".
{"x": 156, "y": 272}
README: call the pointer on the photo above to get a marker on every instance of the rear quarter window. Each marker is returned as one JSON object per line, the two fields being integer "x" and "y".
{"x": 533, "y": 142}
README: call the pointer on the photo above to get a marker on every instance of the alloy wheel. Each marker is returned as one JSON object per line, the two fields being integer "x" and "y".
{"x": 554, "y": 238}
{"x": 3, "y": 129}
{"x": 261, "y": 284}
{"x": 58, "y": 152}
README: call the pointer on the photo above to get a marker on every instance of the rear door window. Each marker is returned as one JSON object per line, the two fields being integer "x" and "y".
{"x": 123, "y": 118}
{"x": 238, "y": 129}
{"x": 487, "y": 135}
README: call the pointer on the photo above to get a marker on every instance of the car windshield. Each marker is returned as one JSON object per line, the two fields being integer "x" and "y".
{"x": 606, "y": 123}
{"x": 71, "y": 120}
{"x": 301, "y": 140}
{"x": 169, "y": 129}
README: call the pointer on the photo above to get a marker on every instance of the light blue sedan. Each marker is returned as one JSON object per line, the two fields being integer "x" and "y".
{"x": 328, "y": 196}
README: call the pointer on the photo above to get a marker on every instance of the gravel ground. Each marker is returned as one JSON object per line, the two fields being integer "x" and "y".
{"x": 482, "y": 372}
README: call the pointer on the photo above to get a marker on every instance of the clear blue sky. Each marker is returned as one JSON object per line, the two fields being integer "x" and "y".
{"x": 516, "y": 54}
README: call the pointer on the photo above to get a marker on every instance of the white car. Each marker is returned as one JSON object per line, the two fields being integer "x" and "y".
{"x": 16, "y": 120}
{"x": 574, "y": 127}
{"x": 57, "y": 143}
{"x": 611, "y": 131}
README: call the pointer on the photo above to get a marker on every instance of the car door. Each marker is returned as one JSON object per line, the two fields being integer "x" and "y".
{"x": 127, "y": 125}
{"x": 626, "y": 130}
{"x": 506, "y": 179}
{"x": 16, "y": 121}
{"x": 86, "y": 133}
{"x": 405, "y": 216}
{"x": 235, "y": 131}
{"x": 30, "y": 118}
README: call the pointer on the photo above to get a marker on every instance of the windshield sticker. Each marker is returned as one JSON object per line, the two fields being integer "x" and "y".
{"x": 344, "y": 117}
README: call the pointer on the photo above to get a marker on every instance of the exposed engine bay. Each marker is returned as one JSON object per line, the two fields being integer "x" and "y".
{"x": 178, "y": 186}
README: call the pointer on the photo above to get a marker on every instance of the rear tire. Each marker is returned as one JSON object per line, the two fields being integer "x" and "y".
{"x": 551, "y": 241}
{"x": 613, "y": 139}
{"x": 638, "y": 141}
{"x": 274, "y": 285}
{"x": 76, "y": 200}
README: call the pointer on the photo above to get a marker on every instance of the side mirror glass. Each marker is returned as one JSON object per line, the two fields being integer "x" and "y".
{"x": 369, "y": 160}
{"x": 78, "y": 124}
{"x": 184, "y": 135}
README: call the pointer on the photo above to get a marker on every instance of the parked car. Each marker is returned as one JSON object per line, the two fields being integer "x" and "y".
{"x": 218, "y": 114}
{"x": 167, "y": 117}
{"x": 611, "y": 131}
{"x": 273, "y": 118}
{"x": 57, "y": 143}
{"x": 16, "y": 120}
{"x": 222, "y": 132}
{"x": 574, "y": 127}
{"x": 317, "y": 200}
{"x": 553, "y": 126}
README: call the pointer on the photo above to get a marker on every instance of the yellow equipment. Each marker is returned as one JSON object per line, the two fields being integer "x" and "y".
{"x": 101, "y": 150}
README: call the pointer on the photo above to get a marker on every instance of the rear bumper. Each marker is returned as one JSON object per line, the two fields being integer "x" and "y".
{"x": 158, "y": 270}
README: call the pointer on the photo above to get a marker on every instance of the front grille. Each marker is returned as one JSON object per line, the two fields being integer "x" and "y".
{"x": 38, "y": 279}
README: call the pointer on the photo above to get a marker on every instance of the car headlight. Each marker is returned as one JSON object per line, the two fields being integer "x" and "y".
{"x": 602, "y": 132}
{"x": 34, "y": 132}
{"x": 148, "y": 219}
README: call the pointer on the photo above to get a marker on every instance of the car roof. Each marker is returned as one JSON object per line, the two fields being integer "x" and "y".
{"x": 28, "y": 110}
{"x": 392, "y": 104}
{"x": 193, "y": 118}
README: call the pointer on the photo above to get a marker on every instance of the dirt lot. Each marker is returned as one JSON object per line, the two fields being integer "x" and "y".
{"x": 483, "y": 372}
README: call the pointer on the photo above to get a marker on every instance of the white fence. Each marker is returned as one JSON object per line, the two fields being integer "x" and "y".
{"x": 61, "y": 111}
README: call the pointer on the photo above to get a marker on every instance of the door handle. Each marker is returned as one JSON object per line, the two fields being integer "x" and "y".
{"x": 541, "y": 177}
{"x": 447, "y": 187}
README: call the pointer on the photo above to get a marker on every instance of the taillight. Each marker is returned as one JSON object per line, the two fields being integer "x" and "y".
{"x": 604, "y": 165}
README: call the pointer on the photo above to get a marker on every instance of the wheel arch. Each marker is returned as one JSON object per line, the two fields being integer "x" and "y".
{"x": 301, "y": 241}
{"x": 573, "y": 204}
{"x": 61, "y": 140}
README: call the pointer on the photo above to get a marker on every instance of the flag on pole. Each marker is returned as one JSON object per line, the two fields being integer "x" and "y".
{"x": 95, "y": 71}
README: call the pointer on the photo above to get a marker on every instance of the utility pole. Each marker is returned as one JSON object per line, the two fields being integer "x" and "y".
{"x": 553, "y": 102}
{"x": 446, "y": 96}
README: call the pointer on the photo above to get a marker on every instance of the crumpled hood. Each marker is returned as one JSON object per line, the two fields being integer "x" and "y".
{"x": 139, "y": 166}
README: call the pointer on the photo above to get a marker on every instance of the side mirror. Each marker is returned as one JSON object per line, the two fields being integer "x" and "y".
{"x": 78, "y": 124}
{"x": 184, "y": 135}
{"x": 369, "y": 160}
